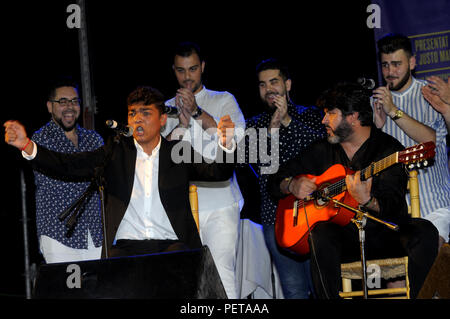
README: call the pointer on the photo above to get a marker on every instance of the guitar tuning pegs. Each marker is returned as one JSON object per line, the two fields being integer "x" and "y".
{"x": 425, "y": 163}
{"x": 411, "y": 166}
{"x": 418, "y": 165}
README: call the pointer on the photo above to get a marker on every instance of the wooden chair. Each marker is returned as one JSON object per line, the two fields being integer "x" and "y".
{"x": 193, "y": 199}
{"x": 390, "y": 267}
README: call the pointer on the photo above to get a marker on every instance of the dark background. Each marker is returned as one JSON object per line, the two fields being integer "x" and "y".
{"x": 130, "y": 44}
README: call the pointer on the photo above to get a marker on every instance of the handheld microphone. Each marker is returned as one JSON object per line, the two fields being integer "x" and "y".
{"x": 366, "y": 83}
{"x": 125, "y": 130}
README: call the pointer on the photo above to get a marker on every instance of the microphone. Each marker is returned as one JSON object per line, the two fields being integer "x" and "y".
{"x": 366, "y": 83}
{"x": 171, "y": 110}
{"x": 125, "y": 130}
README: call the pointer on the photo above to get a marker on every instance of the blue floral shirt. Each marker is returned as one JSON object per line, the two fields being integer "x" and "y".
{"x": 54, "y": 196}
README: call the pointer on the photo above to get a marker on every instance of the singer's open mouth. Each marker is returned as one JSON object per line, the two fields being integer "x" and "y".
{"x": 139, "y": 130}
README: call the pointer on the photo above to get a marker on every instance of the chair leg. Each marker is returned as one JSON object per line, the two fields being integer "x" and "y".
{"x": 346, "y": 285}
{"x": 407, "y": 278}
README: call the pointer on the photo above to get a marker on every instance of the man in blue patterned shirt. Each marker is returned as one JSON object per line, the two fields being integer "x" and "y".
{"x": 63, "y": 134}
{"x": 294, "y": 127}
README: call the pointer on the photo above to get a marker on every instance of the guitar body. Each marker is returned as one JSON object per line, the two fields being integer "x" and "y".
{"x": 291, "y": 227}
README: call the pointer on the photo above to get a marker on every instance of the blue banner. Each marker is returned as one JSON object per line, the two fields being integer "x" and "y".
{"x": 427, "y": 24}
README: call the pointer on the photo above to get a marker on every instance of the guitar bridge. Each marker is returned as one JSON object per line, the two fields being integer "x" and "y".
{"x": 295, "y": 213}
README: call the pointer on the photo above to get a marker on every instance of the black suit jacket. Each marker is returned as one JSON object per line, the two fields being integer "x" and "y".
{"x": 119, "y": 161}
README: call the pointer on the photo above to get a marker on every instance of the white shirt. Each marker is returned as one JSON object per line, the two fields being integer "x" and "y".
{"x": 145, "y": 217}
{"x": 212, "y": 195}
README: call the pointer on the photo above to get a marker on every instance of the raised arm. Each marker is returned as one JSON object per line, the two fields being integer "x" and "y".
{"x": 384, "y": 105}
{"x": 16, "y": 135}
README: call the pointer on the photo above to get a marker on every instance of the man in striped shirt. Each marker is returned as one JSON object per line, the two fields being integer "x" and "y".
{"x": 401, "y": 110}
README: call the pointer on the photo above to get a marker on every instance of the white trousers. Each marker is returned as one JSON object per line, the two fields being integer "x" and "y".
{"x": 55, "y": 252}
{"x": 440, "y": 218}
{"x": 219, "y": 231}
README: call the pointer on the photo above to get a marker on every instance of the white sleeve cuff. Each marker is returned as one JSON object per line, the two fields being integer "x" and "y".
{"x": 32, "y": 155}
{"x": 233, "y": 146}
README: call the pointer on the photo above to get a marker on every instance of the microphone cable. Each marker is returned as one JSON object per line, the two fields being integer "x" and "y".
{"x": 313, "y": 252}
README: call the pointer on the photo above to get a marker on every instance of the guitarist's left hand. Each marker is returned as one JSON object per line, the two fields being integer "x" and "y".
{"x": 359, "y": 190}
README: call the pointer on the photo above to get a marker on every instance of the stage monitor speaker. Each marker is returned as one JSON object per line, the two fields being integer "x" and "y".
{"x": 437, "y": 283}
{"x": 189, "y": 274}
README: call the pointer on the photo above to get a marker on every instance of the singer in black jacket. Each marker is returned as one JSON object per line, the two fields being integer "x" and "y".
{"x": 146, "y": 116}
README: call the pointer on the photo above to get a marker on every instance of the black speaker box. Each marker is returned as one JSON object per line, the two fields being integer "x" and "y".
{"x": 437, "y": 283}
{"x": 172, "y": 275}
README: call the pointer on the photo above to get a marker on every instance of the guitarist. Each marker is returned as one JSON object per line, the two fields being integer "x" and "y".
{"x": 354, "y": 142}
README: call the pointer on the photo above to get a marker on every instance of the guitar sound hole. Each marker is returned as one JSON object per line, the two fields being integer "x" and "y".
{"x": 321, "y": 202}
{"x": 323, "y": 191}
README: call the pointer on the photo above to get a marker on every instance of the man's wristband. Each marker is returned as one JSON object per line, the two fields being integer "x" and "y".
{"x": 197, "y": 113}
{"x": 368, "y": 202}
{"x": 28, "y": 143}
{"x": 288, "y": 180}
{"x": 397, "y": 115}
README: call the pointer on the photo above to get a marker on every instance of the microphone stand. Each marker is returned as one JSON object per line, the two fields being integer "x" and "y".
{"x": 97, "y": 183}
{"x": 360, "y": 221}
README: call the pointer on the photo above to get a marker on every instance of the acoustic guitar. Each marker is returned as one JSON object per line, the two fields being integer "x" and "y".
{"x": 295, "y": 218}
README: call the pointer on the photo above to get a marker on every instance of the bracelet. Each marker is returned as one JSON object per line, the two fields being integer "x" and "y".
{"x": 23, "y": 149}
{"x": 397, "y": 115}
{"x": 368, "y": 202}
{"x": 197, "y": 113}
{"x": 289, "y": 183}
{"x": 290, "y": 120}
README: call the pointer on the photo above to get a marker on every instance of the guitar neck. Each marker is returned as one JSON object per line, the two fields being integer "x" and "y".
{"x": 410, "y": 155}
{"x": 377, "y": 167}
{"x": 373, "y": 169}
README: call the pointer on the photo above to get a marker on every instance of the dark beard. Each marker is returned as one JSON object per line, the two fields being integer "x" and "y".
{"x": 269, "y": 109}
{"x": 194, "y": 88}
{"x": 65, "y": 128}
{"x": 342, "y": 132}
{"x": 402, "y": 82}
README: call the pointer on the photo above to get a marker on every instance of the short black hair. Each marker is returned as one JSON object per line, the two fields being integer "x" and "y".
{"x": 187, "y": 48}
{"x": 349, "y": 98}
{"x": 273, "y": 64}
{"x": 59, "y": 83}
{"x": 147, "y": 95}
{"x": 392, "y": 42}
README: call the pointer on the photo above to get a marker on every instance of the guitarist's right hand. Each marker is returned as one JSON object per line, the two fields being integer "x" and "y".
{"x": 302, "y": 187}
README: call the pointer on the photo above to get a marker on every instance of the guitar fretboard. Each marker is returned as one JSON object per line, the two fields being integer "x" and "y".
{"x": 377, "y": 167}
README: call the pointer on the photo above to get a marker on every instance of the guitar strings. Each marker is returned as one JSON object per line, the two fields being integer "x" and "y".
{"x": 373, "y": 168}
